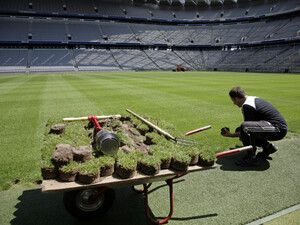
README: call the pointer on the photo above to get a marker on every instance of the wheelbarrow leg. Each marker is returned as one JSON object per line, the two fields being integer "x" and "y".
{"x": 170, "y": 183}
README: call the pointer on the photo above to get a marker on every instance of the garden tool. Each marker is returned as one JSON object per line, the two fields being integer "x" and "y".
{"x": 197, "y": 130}
{"x": 236, "y": 150}
{"x": 178, "y": 140}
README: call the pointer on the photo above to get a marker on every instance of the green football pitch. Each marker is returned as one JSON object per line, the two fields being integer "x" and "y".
{"x": 188, "y": 100}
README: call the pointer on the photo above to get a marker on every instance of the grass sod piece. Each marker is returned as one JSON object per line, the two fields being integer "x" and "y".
{"x": 150, "y": 164}
{"x": 48, "y": 170}
{"x": 180, "y": 161}
{"x": 126, "y": 167}
{"x": 69, "y": 172}
{"x": 137, "y": 156}
{"x": 107, "y": 165}
{"x": 89, "y": 171}
{"x": 193, "y": 152}
{"x": 123, "y": 138}
{"x": 156, "y": 138}
{"x": 165, "y": 157}
{"x": 139, "y": 125}
{"x": 207, "y": 156}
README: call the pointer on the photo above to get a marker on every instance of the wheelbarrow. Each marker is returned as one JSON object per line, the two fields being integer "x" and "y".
{"x": 91, "y": 200}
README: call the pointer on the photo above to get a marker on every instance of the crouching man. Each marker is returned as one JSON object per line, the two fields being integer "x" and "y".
{"x": 262, "y": 123}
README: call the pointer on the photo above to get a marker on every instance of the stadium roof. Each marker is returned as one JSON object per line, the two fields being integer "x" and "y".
{"x": 183, "y": 2}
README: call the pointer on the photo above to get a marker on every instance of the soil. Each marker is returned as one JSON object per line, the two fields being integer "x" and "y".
{"x": 16, "y": 181}
{"x": 138, "y": 140}
{"x": 82, "y": 153}
{"x": 150, "y": 169}
{"x": 125, "y": 173}
{"x": 179, "y": 165}
{"x": 67, "y": 176}
{"x": 205, "y": 162}
{"x": 62, "y": 155}
{"x": 49, "y": 173}
{"x": 107, "y": 170}
{"x": 165, "y": 163}
{"x": 88, "y": 178}
{"x": 195, "y": 159}
{"x": 58, "y": 128}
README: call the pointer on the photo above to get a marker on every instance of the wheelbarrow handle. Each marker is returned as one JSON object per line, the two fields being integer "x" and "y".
{"x": 197, "y": 130}
{"x": 236, "y": 150}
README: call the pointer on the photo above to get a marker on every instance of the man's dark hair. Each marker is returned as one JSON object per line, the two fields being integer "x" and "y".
{"x": 237, "y": 92}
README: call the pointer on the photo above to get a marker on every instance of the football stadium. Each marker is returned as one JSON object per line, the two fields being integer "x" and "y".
{"x": 141, "y": 96}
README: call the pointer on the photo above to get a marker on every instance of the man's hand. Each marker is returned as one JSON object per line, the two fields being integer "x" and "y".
{"x": 225, "y": 131}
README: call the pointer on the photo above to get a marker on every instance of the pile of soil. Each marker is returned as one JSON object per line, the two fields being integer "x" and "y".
{"x": 137, "y": 137}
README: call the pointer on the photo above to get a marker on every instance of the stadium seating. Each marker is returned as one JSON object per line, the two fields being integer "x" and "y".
{"x": 51, "y": 60}
{"x": 13, "y": 60}
{"x": 94, "y": 59}
{"x": 103, "y": 35}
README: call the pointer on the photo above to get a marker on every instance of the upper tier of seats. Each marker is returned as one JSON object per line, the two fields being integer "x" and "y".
{"x": 139, "y": 9}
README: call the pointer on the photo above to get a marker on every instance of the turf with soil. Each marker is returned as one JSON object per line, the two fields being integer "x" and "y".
{"x": 72, "y": 155}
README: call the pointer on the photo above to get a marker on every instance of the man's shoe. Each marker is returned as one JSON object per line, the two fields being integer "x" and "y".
{"x": 247, "y": 161}
{"x": 270, "y": 149}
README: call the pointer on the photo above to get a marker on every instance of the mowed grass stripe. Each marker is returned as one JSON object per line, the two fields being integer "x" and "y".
{"x": 19, "y": 120}
{"x": 59, "y": 99}
{"x": 150, "y": 92}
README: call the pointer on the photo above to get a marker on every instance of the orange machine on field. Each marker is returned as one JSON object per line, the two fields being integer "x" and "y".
{"x": 180, "y": 68}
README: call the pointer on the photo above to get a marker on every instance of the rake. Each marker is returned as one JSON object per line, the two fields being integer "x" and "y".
{"x": 178, "y": 140}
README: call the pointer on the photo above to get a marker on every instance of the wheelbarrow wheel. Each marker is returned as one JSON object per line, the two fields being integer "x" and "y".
{"x": 86, "y": 204}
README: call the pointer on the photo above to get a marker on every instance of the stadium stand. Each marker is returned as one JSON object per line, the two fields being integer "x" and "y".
{"x": 103, "y": 35}
{"x": 95, "y": 60}
{"x": 13, "y": 60}
{"x": 51, "y": 60}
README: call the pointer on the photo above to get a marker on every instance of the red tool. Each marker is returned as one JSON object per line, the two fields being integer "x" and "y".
{"x": 197, "y": 130}
{"x": 94, "y": 120}
{"x": 236, "y": 150}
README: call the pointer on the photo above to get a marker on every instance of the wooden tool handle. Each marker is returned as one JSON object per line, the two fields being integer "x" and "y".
{"x": 86, "y": 118}
{"x": 197, "y": 130}
{"x": 152, "y": 125}
{"x": 236, "y": 150}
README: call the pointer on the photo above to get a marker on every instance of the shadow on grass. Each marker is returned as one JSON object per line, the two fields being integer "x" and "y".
{"x": 165, "y": 185}
{"x": 35, "y": 207}
{"x": 228, "y": 163}
{"x": 192, "y": 217}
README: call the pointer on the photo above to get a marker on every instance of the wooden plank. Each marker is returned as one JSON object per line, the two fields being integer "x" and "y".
{"x": 114, "y": 181}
